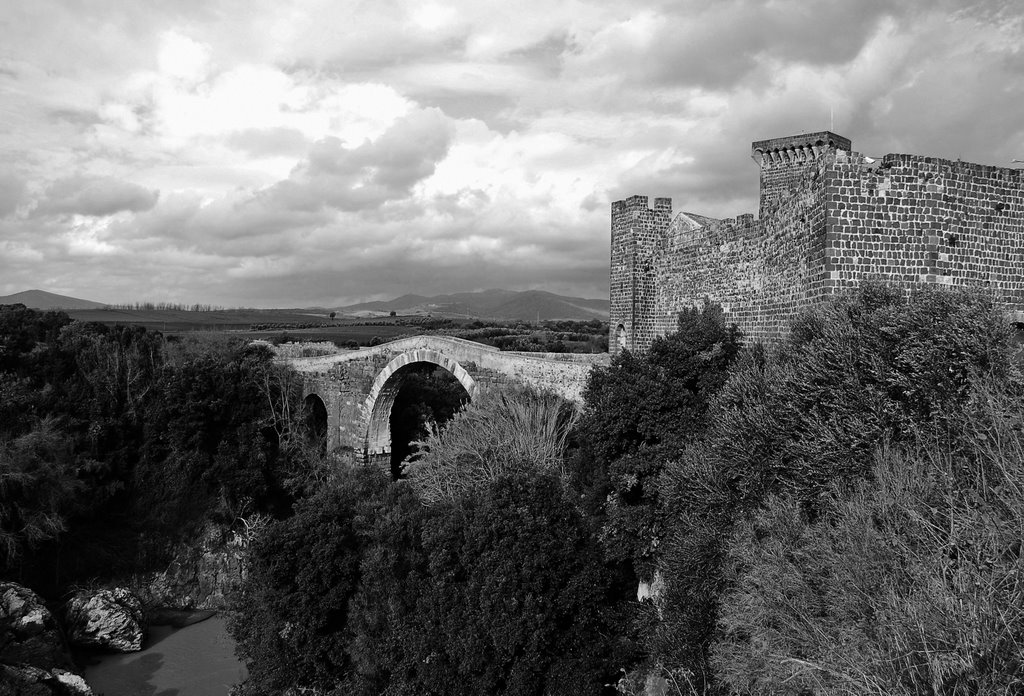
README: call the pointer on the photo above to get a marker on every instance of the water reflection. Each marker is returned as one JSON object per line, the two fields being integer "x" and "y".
{"x": 198, "y": 660}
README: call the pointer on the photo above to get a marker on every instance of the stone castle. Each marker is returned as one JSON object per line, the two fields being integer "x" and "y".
{"x": 829, "y": 218}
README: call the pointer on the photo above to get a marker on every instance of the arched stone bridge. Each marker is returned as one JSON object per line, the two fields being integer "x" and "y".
{"x": 358, "y": 387}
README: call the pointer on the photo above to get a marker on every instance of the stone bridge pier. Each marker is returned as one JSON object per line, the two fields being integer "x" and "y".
{"x": 358, "y": 387}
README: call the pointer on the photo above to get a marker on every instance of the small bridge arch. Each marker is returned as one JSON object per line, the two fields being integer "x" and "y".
{"x": 386, "y": 386}
{"x": 315, "y": 419}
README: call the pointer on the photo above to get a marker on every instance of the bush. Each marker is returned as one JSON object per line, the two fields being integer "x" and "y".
{"x": 38, "y": 486}
{"x": 292, "y": 613}
{"x": 498, "y": 434}
{"x": 871, "y": 368}
{"x": 908, "y": 584}
{"x": 510, "y": 598}
{"x": 640, "y": 412}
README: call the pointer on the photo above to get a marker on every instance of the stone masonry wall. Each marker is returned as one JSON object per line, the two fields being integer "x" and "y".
{"x": 636, "y": 230}
{"x": 784, "y": 162}
{"x": 833, "y": 219}
{"x": 346, "y": 380}
{"x": 914, "y": 220}
{"x": 762, "y": 272}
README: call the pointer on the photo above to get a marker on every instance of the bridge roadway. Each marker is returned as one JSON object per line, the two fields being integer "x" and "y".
{"x": 358, "y": 387}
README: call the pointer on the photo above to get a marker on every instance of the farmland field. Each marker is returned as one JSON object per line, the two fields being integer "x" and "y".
{"x": 284, "y": 325}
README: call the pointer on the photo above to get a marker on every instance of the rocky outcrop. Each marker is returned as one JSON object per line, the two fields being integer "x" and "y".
{"x": 106, "y": 619}
{"x": 26, "y": 680}
{"x": 34, "y": 660}
{"x": 202, "y": 575}
{"x": 29, "y": 633}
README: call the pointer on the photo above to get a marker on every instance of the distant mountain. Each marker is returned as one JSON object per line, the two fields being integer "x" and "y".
{"x": 489, "y": 304}
{"x": 40, "y": 299}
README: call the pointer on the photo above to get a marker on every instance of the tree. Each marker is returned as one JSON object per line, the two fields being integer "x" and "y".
{"x": 641, "y": 412}
{"x": 38, "y": 485}
{"x": 509, "y": 597}
{"x": 291, "y": 620}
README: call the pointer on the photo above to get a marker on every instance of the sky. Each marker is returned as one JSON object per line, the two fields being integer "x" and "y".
{"x": 298, "y": 153}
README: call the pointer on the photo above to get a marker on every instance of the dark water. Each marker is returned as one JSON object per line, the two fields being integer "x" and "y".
{"x": 198, "y": 660}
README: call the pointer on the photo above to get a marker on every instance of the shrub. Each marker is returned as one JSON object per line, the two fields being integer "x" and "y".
{"x": 291, "y": 615}
{"x": 908, "y": 584}
{"x": 510, "y": 598}
{"x": 38, "y": 484}
{"x": 498, "y": 434}
{"x": 640, "y": 412}
{"x": 871, "y": 368}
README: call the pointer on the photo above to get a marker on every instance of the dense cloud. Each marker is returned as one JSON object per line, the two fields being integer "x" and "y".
{"x": 371, "y": 173}
{"x": 94, "y": 196}
{"x": 319, "y": 153}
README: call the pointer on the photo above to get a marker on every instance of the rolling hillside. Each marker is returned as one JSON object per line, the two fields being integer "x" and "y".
{"x": 530, "y": 305}
{"x": 490, "y": 304}
{"x": 40, "y": 299}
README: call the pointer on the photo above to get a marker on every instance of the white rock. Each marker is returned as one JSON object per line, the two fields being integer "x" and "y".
{"x": 106, "y": 619}
{"x": 75, "y": 683}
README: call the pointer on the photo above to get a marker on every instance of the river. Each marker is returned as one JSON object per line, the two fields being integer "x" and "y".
{"x": 197, "y": 660}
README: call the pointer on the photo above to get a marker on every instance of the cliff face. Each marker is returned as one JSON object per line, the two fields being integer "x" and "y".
{"x": 202, "y": 574}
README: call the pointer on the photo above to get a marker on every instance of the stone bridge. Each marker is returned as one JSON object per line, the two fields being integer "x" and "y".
{"x": 358, "y": 387}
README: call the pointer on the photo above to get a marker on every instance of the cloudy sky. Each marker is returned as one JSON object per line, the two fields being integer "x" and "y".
{"x": 319, "y": 152}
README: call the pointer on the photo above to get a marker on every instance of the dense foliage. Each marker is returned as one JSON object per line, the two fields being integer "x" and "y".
{"x": 873, "y": 370}
{"x": 841, "y": 514}
{"x": 514, "y": 431}
{"x": 115, "y": 443}
{"x": 292, "y": 615}
{"x": 640, "y": 413}
{"x": 495, "y": 588}
{"x": 911, "y": 587}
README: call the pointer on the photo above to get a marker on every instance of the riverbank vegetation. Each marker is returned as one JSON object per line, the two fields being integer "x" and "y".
{"x": 115, "y": 443}
{"x": 842, "y": 513}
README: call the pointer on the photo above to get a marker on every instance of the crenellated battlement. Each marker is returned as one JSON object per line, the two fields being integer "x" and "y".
{"x": 784, "y": 161}
{"x": 829, "y": 219}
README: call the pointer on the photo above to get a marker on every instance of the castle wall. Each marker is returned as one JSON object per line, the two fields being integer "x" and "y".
{"x": 914, "y": 220}
{"x": 785, "y": 162}
{"x": 762, "y": 272}
{"x": 833, "y": 220}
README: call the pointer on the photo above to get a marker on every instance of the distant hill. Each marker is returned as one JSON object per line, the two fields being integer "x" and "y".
{"x": 40, "y": 299}
{"x": 488, "y": 304}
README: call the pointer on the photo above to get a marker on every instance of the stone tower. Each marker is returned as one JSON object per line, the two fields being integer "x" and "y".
{"x": 784, "y": 161}
{"x": 636, "y": 232}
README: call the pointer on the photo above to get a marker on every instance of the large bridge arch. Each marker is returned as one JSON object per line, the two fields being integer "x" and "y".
{"x": 386, "y": 386}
